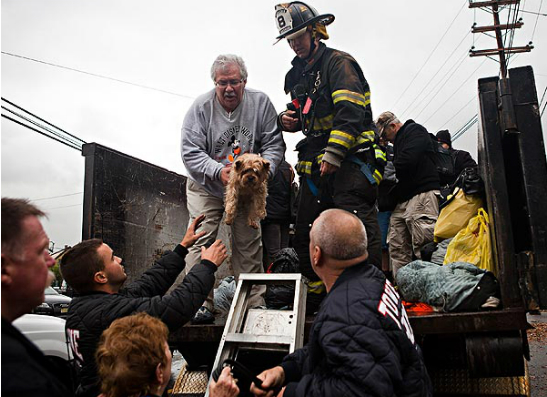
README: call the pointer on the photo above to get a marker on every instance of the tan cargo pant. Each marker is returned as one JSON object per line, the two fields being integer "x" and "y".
{"x": 411, "y": 226}
{"x": 246, "y": 242}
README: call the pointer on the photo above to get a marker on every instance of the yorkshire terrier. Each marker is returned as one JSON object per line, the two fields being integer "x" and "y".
{"x": 247, "y": 189}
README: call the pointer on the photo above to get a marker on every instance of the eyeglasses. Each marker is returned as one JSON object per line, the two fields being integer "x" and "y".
{"x": 225, "y": 83}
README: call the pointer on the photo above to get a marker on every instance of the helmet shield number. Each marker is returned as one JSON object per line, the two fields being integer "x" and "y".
{"x": 283, "y": 19}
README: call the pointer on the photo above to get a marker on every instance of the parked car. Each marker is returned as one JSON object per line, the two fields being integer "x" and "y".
{"x": 54, "y": 304}
{"x": 48, "y": 333}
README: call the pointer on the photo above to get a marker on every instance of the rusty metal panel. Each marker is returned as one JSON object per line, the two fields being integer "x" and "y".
{"x": 493, "y": 171}
{"x": 137, "y": 208}
{"x": 531, "y": 227}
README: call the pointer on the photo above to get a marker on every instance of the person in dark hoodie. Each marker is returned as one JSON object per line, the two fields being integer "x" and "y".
{"x": 462, "y": 159}
{"x": 413, "y": 220}
{"x": 97, "y": 276}
{"x": 361, "y": 342}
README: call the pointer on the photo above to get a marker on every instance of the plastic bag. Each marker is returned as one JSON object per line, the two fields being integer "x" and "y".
{"x": 455, "y": 215}
{"x": 472, "y": 244}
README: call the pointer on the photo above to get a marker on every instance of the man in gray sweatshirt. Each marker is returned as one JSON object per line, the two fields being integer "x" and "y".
{"x": 221, "y": 125}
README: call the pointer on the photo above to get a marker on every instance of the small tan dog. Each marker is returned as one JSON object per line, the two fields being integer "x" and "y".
{"x": 247, "y": 189}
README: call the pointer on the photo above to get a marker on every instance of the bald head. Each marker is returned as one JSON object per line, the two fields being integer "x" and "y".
{"x": 339, "y": 234}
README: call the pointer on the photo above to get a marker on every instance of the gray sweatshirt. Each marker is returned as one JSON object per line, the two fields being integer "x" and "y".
{"x": 212, "y": 138}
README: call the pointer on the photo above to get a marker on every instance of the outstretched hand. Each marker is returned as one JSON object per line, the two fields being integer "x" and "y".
{"x": 191, "y": 236}
{"x": 216, "y": 253}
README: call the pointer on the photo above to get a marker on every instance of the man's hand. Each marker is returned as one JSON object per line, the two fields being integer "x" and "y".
{"x": 271, "y": 379}
{"x": 327, "y": 168}
{"x": 225, "y": 174}
{"x": 225, "y": 386}
{"x": 216, "y": 253}
{"x": 191, "y": 236}
{"x": 289, "y": 121}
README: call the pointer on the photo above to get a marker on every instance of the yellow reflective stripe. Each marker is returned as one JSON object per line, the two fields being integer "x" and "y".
{"x": 354, "y": 97}
{"x": 304, "y": 167}
{"x": 316, "y": 287}
{"x": 323, "y": 123}
{"x": 319, "y": 158}
{"x": 365, "y": 137}
{"x": 379, "y": 153}
{"x": 341, "y": 138}
{"x": 377, "y": 176}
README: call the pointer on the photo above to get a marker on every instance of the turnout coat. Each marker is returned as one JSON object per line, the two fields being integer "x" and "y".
{"x": 361, "y": 344}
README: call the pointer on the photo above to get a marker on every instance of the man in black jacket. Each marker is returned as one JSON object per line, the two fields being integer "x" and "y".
{"x": 413, "y": 219}
{"x": 361, "y": 342}
{"x": 26, "y": 371}
{"x": 97, "y": 275}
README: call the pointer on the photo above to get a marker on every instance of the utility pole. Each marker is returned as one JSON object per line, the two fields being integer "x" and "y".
{"x": 508, "y": 116}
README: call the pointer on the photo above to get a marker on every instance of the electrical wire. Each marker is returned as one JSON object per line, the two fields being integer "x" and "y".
{"x": 430, "y": 55}
{"x": 38, "y": 131}
{"x": 97, "y": 75}
{"x": 459, "y": 88}
{"x": 55, "y": 197}
{"x": 58, "y": 135}
{"x": 536, "y": 24}
{"x": 455, "y": 114}
{"x": 543, "y": 96}
{"x": 66, "y": 206}
{"x": 414, "y": 101}
{"x": 474, "y": 120}
{"x": 41, "y": 119}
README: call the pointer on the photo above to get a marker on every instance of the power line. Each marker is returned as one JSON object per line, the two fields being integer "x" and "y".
{"x": 66, "y": 206}
{"x": 474, "y": 120}
{"x": 38, "y": 131}
{"x": 413, "y": 102}
{"x": 430, "y": 55}
{"x": 56, "y": 133}
{"x": 543, "y": 96}
{"x": 459, "y": 88}
{"x": 41, "y": 119}
{"x": 54, "y": 197}
{"x": 535, "y": 13}
{"x": 536, "y": 24}
{"x": 97, "y": 75}
{"x": 458, "y": 112}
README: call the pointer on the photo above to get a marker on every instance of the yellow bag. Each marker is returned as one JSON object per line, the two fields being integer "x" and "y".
{"x": 472, "y": 244}
{"x": 455, "y": 216}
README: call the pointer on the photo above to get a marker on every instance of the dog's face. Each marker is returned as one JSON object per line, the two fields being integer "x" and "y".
{"x": 250, "y": 169}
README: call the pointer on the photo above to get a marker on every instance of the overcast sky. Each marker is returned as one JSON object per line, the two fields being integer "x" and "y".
{"x": 170, "y": 45}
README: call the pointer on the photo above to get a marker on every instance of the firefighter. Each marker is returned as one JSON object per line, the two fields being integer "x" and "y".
{"x": 339, "y": 161}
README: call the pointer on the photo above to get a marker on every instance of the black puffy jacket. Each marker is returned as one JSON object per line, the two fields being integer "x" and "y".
{"x": 361, "y": 344}
{"x": 90, "y": 314}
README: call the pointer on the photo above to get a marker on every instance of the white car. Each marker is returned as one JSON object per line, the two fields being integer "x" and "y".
{"x": 48, "y": 333}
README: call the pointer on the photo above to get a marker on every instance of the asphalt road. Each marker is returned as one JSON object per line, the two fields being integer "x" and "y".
{"x": 537, "y": 366}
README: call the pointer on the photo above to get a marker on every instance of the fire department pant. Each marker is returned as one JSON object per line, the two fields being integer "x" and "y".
{"x": 246, "y": 242}
{"x": 411, "y": 227}
{"x": 347, "y": 189}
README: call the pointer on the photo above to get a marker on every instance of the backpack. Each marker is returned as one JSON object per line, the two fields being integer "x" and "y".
{"x": 445, "y": 161}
